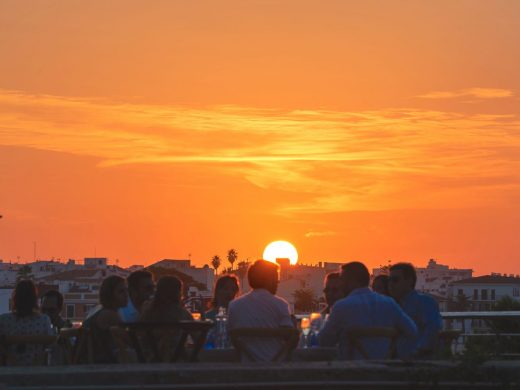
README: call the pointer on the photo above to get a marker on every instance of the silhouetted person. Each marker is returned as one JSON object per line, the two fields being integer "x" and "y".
{"x": 166, "y": 305}
{"x": 140, "y": 289}
{"x": 363, "y": 308}
{"x": 423, "y": 309}
{"x": 261, "y": 308}
{"x": 333, "y": 290}
{"x": 51, "y": 305}
{"x": 113, "y": 295}
{"x": 380, "y": 285}
{"x": 226, "y": 289}
{"x": 25, "y": 320}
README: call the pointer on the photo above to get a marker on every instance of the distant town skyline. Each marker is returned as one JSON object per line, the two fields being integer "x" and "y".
{"x": 354, "y": 130}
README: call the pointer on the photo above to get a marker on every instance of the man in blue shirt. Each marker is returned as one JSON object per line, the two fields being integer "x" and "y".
{"x": 366, "y": 309}
{"x": 422, "y": 308}
{"x": 140, "y": 289}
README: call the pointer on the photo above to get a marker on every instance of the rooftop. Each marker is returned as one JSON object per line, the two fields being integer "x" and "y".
{"x": 490, "y": 279}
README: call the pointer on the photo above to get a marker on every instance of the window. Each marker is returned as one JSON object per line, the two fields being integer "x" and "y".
{"x": 483, "y": 295}
{"x": 460, "y": 292}
{"x": 516, "y": 292}
{"x": 493, "y": 294}
{"x": 475, "y": 294}
{"x": 70, "y": 311}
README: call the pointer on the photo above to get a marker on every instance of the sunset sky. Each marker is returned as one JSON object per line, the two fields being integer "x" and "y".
{"x": 357, "y": 130}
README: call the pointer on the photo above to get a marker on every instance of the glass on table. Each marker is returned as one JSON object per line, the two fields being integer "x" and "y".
{"x": 306, "y": 329}
{"x": 316, "y": 323}
{"x": 196, "y": 316}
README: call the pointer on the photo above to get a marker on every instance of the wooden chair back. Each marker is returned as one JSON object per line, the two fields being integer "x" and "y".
{"x": 40, "y": 358}
{"x": 287, "y": 336}
{"x": 77, "y": 344}
{"x": 356, "y": 335}
{"x": 163, "y": 341}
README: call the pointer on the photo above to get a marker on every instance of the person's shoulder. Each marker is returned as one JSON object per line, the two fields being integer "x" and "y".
{"x": 280, "y": 301}
{"x": 243, "y": 299}
{"x": 426, "y": 299}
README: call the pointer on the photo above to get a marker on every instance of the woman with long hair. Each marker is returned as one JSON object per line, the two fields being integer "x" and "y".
{"x": 226, "y": 289}
{"x": 167, "y": 303}
{"x": 25, "y": 319}
{"x": 113, "y": 295}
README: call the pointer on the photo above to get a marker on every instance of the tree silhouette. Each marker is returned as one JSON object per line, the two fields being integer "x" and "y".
{"x": 25, "y": 272}
{"x": 215, "y": 263}
{"x": 305, "y": 300}
{"x": 232, "y": 255}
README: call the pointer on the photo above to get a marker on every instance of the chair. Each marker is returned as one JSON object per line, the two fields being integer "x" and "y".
{"x": 20, "y": 342}
{"x": 77, "y": 344}
{"x": 288, "y": 336}
{"x": 165, "y": 341}
{"x": 354, "y": 336}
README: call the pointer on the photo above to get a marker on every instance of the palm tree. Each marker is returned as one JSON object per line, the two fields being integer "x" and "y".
{"x": 25, "y": 272}
{"x": 215, "y": 262}
{"x": 232, "y": 255}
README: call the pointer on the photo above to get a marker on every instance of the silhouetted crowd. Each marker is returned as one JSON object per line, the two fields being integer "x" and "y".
{"x": 359, "y": 320}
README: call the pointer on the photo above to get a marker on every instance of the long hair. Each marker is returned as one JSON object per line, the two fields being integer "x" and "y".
{"x": 25, "y": 298}
{"x": 169, "y": 291}
{"x": 106, "y": 291}
{"x": 221, "y": 282}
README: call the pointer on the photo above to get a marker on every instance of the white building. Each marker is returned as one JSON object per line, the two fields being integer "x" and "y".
{"x": 483, "y": 291}
{"x": 435, "y": 278}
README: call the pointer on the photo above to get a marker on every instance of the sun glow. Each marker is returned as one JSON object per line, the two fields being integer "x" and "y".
{"x": 281, "y": 250}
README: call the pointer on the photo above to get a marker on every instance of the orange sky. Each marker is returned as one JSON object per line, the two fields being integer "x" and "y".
{"x": 356, "y": 130}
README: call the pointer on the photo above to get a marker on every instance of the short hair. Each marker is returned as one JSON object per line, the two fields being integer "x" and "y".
{"x": 357, "y": 272}
{"x": 169, "y": 289}
{"x": 106, "y": 291}
{"x": 408, "y": 271}
{"x": 135, "y": 278}
{"x": 260, "y": 272}
{"x": 332, "y": 276}
{"x": 54, "y": 294}
{"x": 25, "y": 298}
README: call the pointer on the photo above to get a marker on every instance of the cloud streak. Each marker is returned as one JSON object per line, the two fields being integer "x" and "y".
{"x": 479, "y": 93}
{"x": 335, "y": 161}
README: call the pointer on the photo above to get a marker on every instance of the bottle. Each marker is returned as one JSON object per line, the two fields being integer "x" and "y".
{"x": 221, "y": 329}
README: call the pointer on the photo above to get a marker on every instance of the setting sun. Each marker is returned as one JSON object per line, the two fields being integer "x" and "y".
{"x": 281, "y": 250}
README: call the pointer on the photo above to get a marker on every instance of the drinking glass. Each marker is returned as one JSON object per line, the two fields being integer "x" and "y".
{"x": 306, "y": 329}
{"x": 316, "y": 323}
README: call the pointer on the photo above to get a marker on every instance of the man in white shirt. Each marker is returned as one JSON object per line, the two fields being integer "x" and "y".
{"x": 261, "y": 308}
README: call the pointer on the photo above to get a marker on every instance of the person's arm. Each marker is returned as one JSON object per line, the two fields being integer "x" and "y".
{"x": 432, "y": 320}
{"x": 47, "y": 325}
{"x": 331, "y": 332}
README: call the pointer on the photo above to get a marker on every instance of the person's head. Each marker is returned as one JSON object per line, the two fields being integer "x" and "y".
{"x": 169, "y": 292}
{"x": 140, "y": 287}
{"x": 402, "y": 280}
{"x": 380, "y": 284}
{"x": 333, "y": 288}
{"x": 113, "y": 293}
{"x": 226, "y": 289}
{"x": 25, "y": 298}
{"x": 263, "y": 274}
{"x": 51, "y": 304}
{"x": 354, "y": 275}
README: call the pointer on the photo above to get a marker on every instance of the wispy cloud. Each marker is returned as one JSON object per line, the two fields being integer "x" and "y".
{"x": 479, "y": 93}
{"x": 334, "y": 161}
{"x": 320, "y": 234}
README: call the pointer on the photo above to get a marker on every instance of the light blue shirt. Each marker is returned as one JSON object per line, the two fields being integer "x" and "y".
{"x": 424, "y": 311}
{"x": 365, "y": 308}
{"x": 129, "y": 313}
